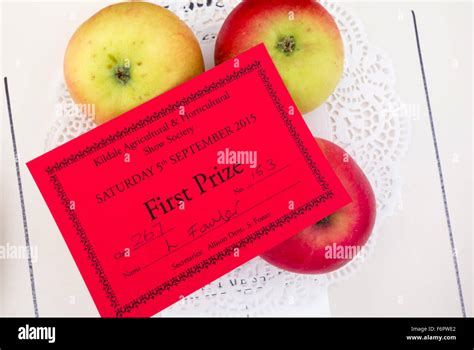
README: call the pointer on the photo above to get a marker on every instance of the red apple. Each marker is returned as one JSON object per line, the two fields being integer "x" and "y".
{"x": 332, "y": 242}
{"x": 300, "y": 36}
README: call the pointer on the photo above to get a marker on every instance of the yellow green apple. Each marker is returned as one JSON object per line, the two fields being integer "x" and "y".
{"x": 126, "y": 54}
{"x": 300, "y": 36}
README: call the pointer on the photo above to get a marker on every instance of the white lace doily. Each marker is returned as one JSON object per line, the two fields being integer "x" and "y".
{"x": 364, "y": 116}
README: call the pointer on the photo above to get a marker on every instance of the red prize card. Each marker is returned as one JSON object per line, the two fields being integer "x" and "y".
{"x": 186, "y": 187}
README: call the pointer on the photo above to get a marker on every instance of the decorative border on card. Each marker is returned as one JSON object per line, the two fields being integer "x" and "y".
{"x": 51, "y": 170}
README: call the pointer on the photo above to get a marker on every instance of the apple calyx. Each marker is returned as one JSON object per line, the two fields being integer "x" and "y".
{"x": 122, "y": 74}
{"x": 287, "y": 44}
{"x": 324, "y": 221}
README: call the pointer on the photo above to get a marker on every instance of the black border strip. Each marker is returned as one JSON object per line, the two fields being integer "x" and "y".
{"x": 440, "y": 170}
{"x": 22, "y": 201}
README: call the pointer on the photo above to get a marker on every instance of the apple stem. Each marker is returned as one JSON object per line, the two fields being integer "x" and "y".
{"x": 122, "y": 74}
{"x": 287, "y": 45}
